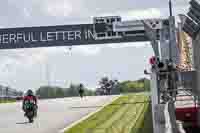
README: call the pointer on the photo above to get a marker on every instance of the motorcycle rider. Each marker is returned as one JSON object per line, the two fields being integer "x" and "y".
{"x": 30, "y": 97}
{"x": 81, "y": 90}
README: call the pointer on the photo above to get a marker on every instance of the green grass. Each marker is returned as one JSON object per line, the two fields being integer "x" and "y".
{"x": 121, "y": 116}
{"x": 7, "y": 101}
{"x": 144, "y": 124}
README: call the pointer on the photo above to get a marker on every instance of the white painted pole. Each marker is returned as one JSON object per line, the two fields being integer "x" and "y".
{"x": 154, "y": 99}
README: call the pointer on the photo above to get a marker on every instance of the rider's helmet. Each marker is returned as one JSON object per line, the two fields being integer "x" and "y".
{"x": 81, "y": 85}
{"x": 29, "y": 92}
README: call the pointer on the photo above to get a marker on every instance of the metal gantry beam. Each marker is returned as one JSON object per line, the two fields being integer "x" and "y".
{"x": 100, "y": 32}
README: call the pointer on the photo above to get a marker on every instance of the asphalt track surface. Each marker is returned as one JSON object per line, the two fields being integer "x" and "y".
{"x": 53, "y": 115}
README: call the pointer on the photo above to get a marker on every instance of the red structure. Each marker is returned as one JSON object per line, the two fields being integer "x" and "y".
{"x": 187, "y": 112}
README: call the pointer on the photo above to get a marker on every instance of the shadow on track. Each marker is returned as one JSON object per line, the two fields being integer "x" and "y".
{"x": 22, "y": 122}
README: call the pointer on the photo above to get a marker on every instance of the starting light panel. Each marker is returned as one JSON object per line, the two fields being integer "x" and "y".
{"x": 103, "y": 27}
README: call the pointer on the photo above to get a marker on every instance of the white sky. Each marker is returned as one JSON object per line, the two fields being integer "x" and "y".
{"x": 27, "y": 68}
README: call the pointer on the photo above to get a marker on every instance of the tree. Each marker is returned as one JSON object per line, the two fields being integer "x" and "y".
{"x": 89, "y": 92}
{"x": 107, "y": 86}
{"x": 115, "y": 87}
{"x": 46, "y": 92}
{"x": 135, "y": 86}
{"x": 59, "y": 92}
{"x": 104, "y": 85}
{"x": 72, "y": 91}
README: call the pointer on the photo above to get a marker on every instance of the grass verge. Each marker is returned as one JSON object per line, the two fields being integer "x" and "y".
{"x": 128, "y": 114}
{"x": 7, "y": 101}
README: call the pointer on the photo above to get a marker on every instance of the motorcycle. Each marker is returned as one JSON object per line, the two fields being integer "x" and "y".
{"x": 81, "y": 93}
{"x": 30, "y": 115}
{"x": 30, "y": 112}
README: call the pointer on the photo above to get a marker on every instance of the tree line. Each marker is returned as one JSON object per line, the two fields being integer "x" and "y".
{"x": 58, "y": 92}
{"x": 106, "y": 87}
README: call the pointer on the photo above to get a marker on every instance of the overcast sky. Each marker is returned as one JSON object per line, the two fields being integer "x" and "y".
{"x": 29, "y": 68}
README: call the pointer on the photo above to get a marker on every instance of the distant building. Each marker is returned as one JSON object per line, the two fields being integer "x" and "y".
{"x": 7, "y": 92}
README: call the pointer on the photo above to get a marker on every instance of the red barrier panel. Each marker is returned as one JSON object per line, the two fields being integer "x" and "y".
{"x": 188, "y": 115}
